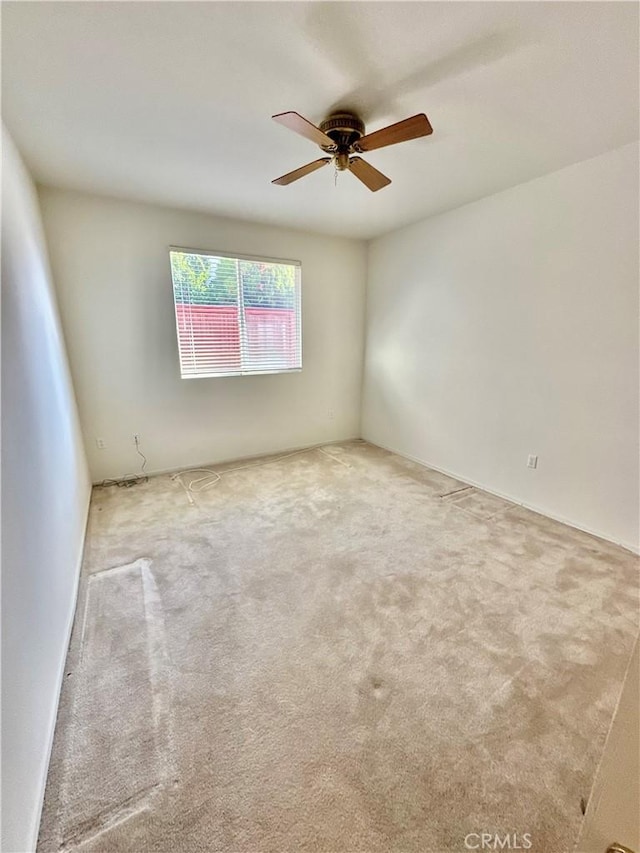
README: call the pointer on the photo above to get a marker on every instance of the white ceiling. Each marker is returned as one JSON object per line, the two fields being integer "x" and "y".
{"x": 170, "y": 102}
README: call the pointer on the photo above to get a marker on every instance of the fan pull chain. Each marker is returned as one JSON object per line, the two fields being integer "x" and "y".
{"x": 335, "y": 174}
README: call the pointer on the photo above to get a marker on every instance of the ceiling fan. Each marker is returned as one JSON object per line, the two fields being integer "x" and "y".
{"x": 342, "y": 136}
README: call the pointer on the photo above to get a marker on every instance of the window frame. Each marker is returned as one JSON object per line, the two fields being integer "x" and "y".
{"x": 239, "y": 257}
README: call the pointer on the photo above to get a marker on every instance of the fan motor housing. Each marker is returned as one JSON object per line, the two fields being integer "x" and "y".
{"x": 344, "y": 129}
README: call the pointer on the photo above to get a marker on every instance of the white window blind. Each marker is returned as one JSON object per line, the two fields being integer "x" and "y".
{"x": 236, "y": 316}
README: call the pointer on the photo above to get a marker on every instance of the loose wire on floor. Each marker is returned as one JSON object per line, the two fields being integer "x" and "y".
{"x": 129, "y": 480}
{"x": 212, "y": 478}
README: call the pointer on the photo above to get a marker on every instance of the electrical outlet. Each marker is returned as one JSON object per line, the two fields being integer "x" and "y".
{"x": 532, "y": 461}
{"x": 136, "y": 438}
{"x": 330, "y": 414}
{"x": 100, "y": 443}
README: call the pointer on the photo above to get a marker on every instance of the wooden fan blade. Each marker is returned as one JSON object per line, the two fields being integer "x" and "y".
{"x": 410, "y": 128}
{"x": 369, "y": 176}
{"x": 300, "y": 125}
{"x": 301, "y": 172}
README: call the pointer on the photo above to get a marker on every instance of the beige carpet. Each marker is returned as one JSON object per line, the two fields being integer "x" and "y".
{"x": 337, "y": 651}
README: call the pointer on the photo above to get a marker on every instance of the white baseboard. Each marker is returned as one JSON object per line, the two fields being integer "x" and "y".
{"x": 156, "y": 472}
{"x": 634, "y": 548}
{"x": 60, "y": 680}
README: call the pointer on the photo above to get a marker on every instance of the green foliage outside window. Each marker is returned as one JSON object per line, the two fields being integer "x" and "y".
{"x": 209, "y": 280}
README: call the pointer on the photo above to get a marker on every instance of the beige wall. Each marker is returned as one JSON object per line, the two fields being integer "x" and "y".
{"x": 45, "y": 497}
{"x": 509, "y": 327}
{"x": 111, "y": 264}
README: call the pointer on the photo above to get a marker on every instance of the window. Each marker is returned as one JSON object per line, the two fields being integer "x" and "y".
{"x": 236, "y": 315}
